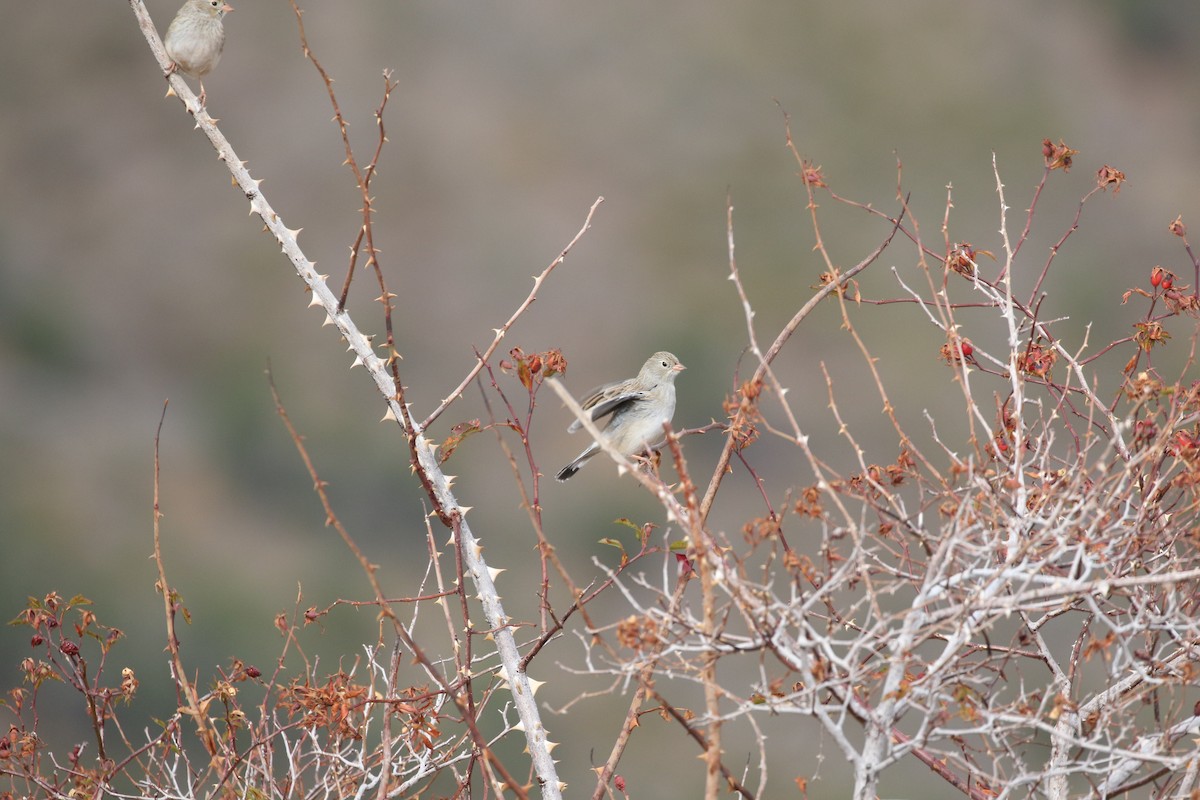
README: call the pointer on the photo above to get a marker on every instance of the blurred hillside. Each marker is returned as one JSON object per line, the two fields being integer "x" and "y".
{"x": 130, "y": 273}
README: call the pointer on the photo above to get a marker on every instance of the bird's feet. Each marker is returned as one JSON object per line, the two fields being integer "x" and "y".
{"x": 650, "y": 460}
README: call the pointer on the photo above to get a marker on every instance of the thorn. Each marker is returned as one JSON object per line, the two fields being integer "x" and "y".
{"x": 328, "y": 321}
{"x": 535, "y": 685}
{"x": 389, "y": 416}
{"x": 358, "y": 362}
{"x": 295, "y": 233}
{"x": 494, "y": 572}
{"x": 316, "y": 301}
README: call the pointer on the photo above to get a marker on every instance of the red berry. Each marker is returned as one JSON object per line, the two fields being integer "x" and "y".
{"x": 1155, "y": 277}
{"x": 1168, "y": 282}
{"x": 967, "y": 348}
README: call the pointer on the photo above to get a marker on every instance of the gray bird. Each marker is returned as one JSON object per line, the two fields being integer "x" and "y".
{"x": 196, "y": 38}
{"x": 636, "y": 409}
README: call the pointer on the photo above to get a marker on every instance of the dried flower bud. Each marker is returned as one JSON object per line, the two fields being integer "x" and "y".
{"x": 1110, "y": 176}
{"x": 1058, "y": 156}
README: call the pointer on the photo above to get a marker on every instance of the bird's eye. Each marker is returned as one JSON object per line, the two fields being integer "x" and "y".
{"x": 665, "y": 364}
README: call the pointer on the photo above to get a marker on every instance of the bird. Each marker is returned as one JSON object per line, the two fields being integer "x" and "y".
{"x": 636, "y": 409}
{"x": 196, "y": 38}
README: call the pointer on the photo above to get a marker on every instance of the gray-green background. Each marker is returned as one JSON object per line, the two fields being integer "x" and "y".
{"x": 130, "y": 273}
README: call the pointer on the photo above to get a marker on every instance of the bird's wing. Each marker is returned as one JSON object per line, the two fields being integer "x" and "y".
{"x": 606, "y": 400}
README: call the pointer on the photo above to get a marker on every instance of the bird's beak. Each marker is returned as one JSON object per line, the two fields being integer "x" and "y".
{"x": 678, "y": 368}
{"x": 226, "y": 8}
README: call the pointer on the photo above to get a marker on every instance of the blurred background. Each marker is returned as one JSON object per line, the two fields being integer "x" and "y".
{"x": 130, "y": 274}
